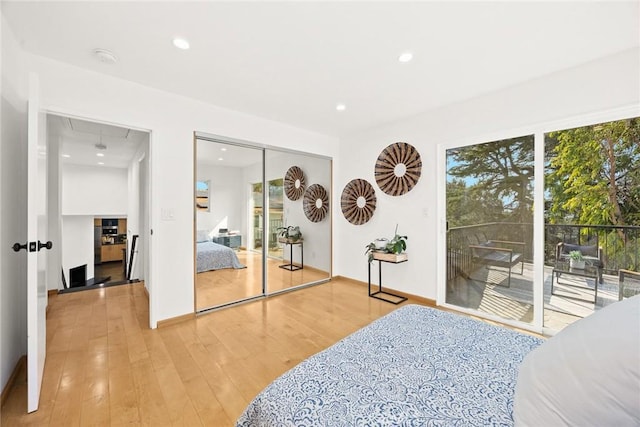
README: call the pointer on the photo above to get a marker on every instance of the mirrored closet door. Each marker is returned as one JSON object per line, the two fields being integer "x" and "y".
{"x": 262, "y": 221}
{"x": 299, "y": 226}
{"x": 229, "y": 222}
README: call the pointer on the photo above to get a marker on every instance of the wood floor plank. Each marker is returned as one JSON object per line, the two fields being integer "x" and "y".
{"x": 105, "y": 367}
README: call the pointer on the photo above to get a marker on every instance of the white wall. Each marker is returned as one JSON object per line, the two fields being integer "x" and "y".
{"x": 13, "y": 227}
{"x": 316, "y": 235}
{"x": 77, "y": 244}
{"x": 172, "y": 119}
{"x": 91, "y": 190}
{"x": 597, "y": 86}
{"x": 226, "y": 200}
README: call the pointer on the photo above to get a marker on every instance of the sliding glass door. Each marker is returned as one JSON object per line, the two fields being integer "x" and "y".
{"x": 585, "y": 224}
{"x": 489, "y": 214}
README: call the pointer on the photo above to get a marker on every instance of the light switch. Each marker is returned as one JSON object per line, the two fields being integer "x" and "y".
{"x": 167, "y": 214}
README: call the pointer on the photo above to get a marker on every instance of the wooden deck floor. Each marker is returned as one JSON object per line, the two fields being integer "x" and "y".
{"x": 486, "y": 290}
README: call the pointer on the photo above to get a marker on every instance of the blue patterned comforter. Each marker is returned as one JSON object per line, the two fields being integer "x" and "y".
{"x": 212, "y": 256}
{"x": 416, "y": 366}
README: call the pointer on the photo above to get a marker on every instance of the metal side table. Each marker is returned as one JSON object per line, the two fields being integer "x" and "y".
{"x": 380, "y": 293}
{"x": 291, "y": 266}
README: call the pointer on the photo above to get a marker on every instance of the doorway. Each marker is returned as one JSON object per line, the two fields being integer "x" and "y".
{"x": 100, "y": 181}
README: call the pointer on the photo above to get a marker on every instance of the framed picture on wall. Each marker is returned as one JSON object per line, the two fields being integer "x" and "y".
{"x": 202, "y": 195}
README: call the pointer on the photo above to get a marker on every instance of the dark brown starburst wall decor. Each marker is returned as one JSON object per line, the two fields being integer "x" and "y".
{"x": 294, "y": 183}
{"x": 315, "y": 203}
{"x": 398, "y": 168}
{"x": 358, "y": 201}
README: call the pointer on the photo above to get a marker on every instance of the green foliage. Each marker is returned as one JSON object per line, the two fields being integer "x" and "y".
{"x": 594, "y": 174}
{"x": 396, "y": 245}
{"x": 501, "y": 173}
{"x": 291, "y": 232}
{"x": 576, "y": 255}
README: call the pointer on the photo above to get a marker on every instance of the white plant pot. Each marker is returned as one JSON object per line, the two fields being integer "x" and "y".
{"x": 579, "y": 265}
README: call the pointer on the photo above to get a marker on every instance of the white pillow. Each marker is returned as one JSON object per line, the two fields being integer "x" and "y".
{"x": 586, "y": 375}
{"x": 202, "y": 236}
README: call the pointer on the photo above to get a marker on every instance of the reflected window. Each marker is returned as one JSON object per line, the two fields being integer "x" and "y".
{"x": 202, "y": 195}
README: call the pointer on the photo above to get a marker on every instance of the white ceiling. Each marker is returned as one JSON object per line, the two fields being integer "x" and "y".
{"x": 294, "y": 61}
{"x": 79, "y": 140}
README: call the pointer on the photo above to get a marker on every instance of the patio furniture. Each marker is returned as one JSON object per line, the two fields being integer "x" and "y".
{"x": 592, "y": 255}
{"x": 496, "y": 253}
{"x": 628, "y": 284}
{"x": 589, "y": 272}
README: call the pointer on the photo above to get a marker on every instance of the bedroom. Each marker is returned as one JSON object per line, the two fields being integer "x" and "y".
{"x": 609, "y": 73}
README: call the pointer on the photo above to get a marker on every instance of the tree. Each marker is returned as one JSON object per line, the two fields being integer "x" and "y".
{"x": 502, "y": 173}
{"x": 593, "y": 174}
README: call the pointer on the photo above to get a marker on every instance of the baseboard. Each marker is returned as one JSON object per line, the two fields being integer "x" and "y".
{"x": 175, "y": 320}
{"x": 413, "y": 298}
{"x": 12, "y": 379}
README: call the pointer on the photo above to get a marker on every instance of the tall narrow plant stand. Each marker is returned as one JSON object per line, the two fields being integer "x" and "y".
{"x": 380, "y": 293}
{"x": 291, "y": 266}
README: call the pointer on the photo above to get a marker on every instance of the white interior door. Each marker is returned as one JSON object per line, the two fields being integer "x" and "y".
{"x": 36, "y": 246}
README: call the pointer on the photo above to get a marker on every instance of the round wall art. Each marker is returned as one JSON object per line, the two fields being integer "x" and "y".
{"x": 315, "y": 203}
{"x": 398, "y": 168}
{"x": 358, "y": 201}
{"x": 294, "y": 183}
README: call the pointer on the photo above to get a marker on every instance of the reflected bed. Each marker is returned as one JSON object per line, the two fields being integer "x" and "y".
{"x": 213, "y": 256}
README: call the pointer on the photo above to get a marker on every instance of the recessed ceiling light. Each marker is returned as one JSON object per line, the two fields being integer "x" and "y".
{"x": 341, "y": 107}
{"x": 223, "y": 149}
{"x": 105, "y": 56}
{"x": 405, "y": 57}
{"x": 101, "y": 163}
{"x": 181, "y": 43}
{"x": 100, "y": 154}
{"x": 220, "y": 158}
{"x": 66, "y": 156}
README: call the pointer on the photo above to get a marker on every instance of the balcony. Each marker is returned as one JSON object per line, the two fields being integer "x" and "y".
{"x": 488, "y": 289}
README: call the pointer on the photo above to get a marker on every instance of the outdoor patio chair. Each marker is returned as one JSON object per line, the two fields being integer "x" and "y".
{"x": 628, "y": 284}
{"x": 592, "y": 255}
{"x": 496, "y": 253}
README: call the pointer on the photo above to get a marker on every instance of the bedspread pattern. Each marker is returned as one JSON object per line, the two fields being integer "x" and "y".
{"x": 416, "y": 366}
{"x": 212, "y": 256}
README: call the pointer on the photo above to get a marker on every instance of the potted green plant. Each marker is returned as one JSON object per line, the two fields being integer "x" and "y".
{"x": 289, "y": 234}
{"x": 576, "y": 260}
{"x": 388, "y": 250}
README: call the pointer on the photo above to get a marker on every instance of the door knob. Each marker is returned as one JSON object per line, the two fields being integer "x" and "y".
{"x": 47, "y": 245}
{"x": 17, "y": 246}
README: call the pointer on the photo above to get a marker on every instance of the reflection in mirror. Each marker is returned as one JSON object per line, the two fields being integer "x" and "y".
{"x": 202, "y": 195}
{"x": 229, "y": 233}
{"x": 295, "y": 262}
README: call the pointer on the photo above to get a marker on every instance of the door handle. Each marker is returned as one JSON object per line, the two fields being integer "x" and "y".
{"x": 17, "y": 246}
{"x": 47, "y": 245}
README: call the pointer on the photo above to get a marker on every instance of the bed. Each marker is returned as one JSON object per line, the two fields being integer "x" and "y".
{"x": 415, "y": 366}
{"x": 213, "y": 256}
{"x": 419, "y": 366}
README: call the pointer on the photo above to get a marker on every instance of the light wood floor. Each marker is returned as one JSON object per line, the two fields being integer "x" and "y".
{"x": 215, "y": 288}
{"x": 105, "y": 367}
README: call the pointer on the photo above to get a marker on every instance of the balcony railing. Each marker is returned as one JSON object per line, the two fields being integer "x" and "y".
{"x": 620, "y": 245}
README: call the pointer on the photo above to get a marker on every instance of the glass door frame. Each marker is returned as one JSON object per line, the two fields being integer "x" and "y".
{"x": 538, "y": 232}
{"x": 538, "y": 130}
